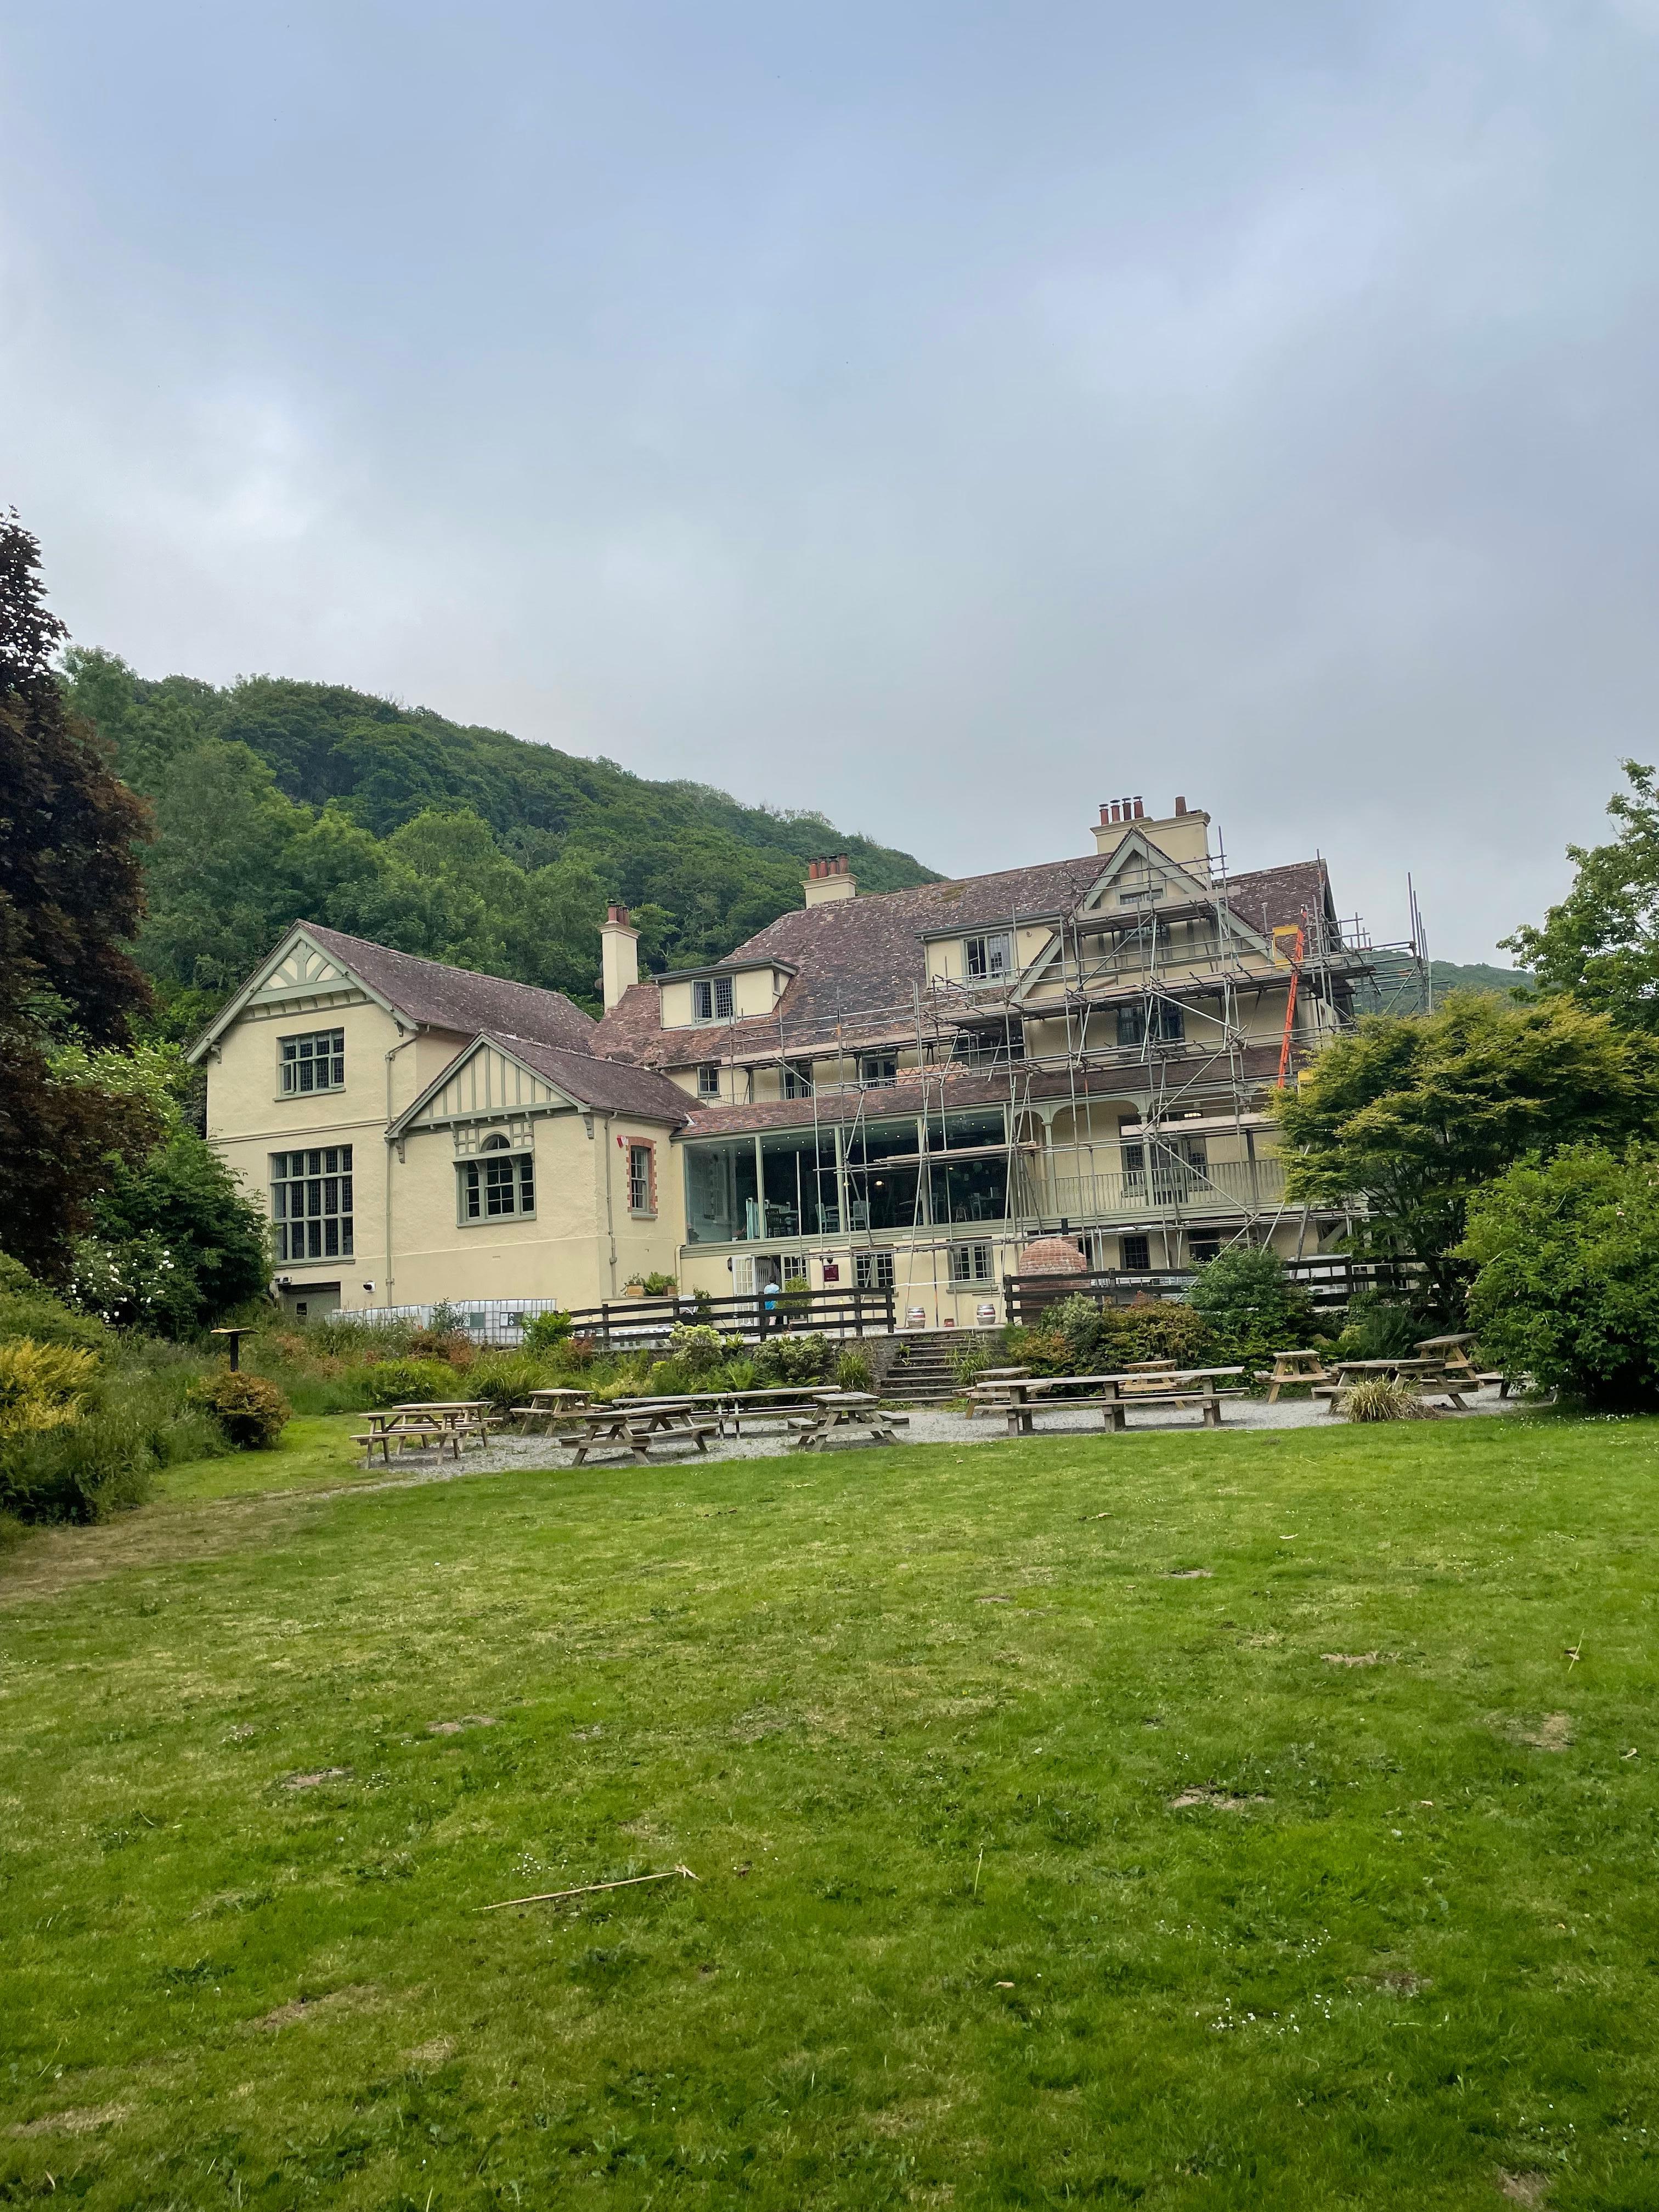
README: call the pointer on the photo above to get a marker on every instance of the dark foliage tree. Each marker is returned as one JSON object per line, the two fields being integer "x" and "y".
{"x": 71, "y": 890}
{"x": 1601, "y": 942}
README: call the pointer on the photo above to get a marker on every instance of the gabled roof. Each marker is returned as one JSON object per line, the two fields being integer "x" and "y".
{"x": 857, "y": 959}
{"x": 539, "y": 1076}
{"x": 425, "y": 994}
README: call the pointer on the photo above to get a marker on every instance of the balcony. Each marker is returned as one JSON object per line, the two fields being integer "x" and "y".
{"x": 1167, "y": 1187}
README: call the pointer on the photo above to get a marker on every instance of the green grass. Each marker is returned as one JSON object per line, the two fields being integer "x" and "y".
{"x": 313, "y": 1451}
{"x": 951, "y": 1940}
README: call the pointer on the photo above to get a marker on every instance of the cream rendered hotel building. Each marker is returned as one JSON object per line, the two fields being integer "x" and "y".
{"x": 892, "y": 1091}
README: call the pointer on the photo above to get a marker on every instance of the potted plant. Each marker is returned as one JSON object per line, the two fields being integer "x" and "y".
{"x": 633, "y": 1287}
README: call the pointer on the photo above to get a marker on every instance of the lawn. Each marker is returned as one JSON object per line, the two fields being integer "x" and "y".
{"x": 1043, "y": 1856}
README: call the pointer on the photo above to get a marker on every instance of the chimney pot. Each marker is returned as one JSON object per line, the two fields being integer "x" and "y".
{"x": 1181, "y": 806}
{"x": 1105, "y": 813}
{"x": 1139, "y": 811}
{"x": 617, "y": 913}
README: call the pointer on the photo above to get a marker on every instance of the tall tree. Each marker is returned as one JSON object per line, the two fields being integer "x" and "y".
{"x": 1601, "y": 942}
{"x": 1406, "y": 1116}
{"x": 70, "y": 892}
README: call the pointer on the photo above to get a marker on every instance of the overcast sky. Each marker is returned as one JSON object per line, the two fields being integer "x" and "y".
{"x": 945, "y": 416}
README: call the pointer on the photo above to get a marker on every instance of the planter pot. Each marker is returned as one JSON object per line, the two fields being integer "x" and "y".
{"x": 633, "y": 1290}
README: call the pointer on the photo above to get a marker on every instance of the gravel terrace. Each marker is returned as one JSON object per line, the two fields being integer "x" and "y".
{"x": 927, "y": 1426}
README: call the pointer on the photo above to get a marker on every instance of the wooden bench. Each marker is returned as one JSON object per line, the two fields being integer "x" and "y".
{"x": 423, "y": 1435}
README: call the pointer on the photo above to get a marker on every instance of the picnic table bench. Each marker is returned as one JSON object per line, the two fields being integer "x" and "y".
{"x": 987, "y": 1394}
{"x": 1429, "y": 1373}
{"x": 549, "y": 1405}
{"x": 1294, "y": 1367}
{"x": 844, "y": 1409}
{"x": 634, "y": 1425}
{"x": 438, "y": 1424}
{"x": 1115, "y": 1394}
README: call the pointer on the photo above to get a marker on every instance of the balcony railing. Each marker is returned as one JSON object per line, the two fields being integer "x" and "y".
{"x": 1167, "y": 1186}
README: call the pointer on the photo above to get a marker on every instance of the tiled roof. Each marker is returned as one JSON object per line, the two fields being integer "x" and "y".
{"x": 609, "y": 1086}
{"x": 455, "y": 998}
{"x": 858, "y": 959}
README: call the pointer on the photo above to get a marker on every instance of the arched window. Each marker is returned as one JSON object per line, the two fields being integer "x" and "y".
{"x": 495, "y": 1145}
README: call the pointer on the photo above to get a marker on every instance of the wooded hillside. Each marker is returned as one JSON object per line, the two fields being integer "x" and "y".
{"x": 276, "y": 799}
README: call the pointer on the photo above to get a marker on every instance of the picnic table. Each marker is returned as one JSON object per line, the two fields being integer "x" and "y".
{"x": 1429, "y": 1373}
{"x": 986, "y": 1389}
{"x": 782, "y": 1403}
{"x": 1294, "y": 1367}
{"x": 1453, "y": 1351}
{"x": 635, "y": 1424}
{"x": 437, "y": 1424}
{"x": 843, "y": 1409}
{"x": 1185, "y": 1386}
{"x": 551, "y": 1405}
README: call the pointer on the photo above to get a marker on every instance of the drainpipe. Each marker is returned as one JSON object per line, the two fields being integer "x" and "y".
{"x": 392, "y": 1056}
{"x": 610, "y": 1217}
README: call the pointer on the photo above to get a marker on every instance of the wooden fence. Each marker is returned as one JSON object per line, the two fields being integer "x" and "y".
{"x": 1330, "y": 1280}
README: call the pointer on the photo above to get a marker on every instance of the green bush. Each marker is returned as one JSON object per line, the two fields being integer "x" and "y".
{"x": 1568, "y": 1286}
{"x": 695, "y": 1348}
{"x": 252, "y": 1411}
{"x": 28, "y": 1309}
{"x": 139, "y": 1418}
{"x": 505, "y": 1378}
{"x": 1249, "y": 1305}
{"x": 854, "y": 1372}
{"x": 546, "y": 1332}
{"x": 1378, "y": 1329}
{"x": 43, "y": 1386}
{"x": 408, "y": 1381}
{"x": 783, "y": 1361}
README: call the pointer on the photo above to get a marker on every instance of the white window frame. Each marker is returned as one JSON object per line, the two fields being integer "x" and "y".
{"x": 796, "y": 1079}
{"x": 987, "y": 959}
{"x": 299, "y": 1054}
{"x": 873, "y": 1271}
{"x": 972, "y": 1263}
{"x": 638, "y": 1148}
{"x": 709, "y": 1080}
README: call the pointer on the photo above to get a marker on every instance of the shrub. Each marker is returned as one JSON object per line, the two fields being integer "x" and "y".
{"x": 854, "y": 1372}
{"x": 453, "y": 1345}
{"x": 1568, "y": 1286}
{"x": 546, "y": 1332}
{"x": 1248, "y": 1304}
{"x": 785, "y": 1360}
{"x": 657, "y": 1286}
{"x": 252, "y": 1411}
{"x": 1378, "y": 1329}
{"x": 1381, "y": 1398}
{"x": 42, "y": 1386}
{"x": 140, "y": 1418}
{"x": 695, "y": 1348}
{"x": 409, "y": 1381}
{"x": 28, "y": 1309}
{"x": 505, "y": 1378}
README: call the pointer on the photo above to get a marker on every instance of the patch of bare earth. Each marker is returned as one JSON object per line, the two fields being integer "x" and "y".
{"x": 1192, "y": 1574}
{"x": 1524, "y": 2188}
{"x": 1217, "y": 1801}
{"x": 352, "y": 1998}
{"x": 1355, "y": 1659}
{"x": 1552, "y": 1733}
{"x": 434, "y": 2053}
{"x": 79, "y": 2120}
{"x": 454, "y": 1728}
{"x": 315, "y": 1781}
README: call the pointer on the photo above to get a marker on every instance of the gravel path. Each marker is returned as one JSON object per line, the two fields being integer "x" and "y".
{"x": 928, "y": 1425}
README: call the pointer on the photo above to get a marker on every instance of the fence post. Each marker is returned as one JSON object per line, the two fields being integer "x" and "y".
{"x": 604, "y": 1323}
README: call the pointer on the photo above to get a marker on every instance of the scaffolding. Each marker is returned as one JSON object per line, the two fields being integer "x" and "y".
{"x": 1162, "y": 1002}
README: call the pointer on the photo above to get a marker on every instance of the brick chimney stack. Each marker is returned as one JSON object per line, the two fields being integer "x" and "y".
{"x": 620, "y": 949}
{"x": 829, "y": 880}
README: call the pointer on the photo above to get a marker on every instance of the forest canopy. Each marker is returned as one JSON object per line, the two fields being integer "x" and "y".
{"x": 276, "y": 799}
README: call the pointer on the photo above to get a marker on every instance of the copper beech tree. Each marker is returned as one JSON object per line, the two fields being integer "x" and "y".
{"x": 71, "y": 896}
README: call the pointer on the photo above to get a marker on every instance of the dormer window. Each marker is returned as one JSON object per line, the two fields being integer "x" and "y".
{"x": 711, "y": 1001}
{"x": 708, "y": 1081}
{"x": 796, "y": 1079}
{"x": 877, "y": 1071}
{"x": 986, "y": 959}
